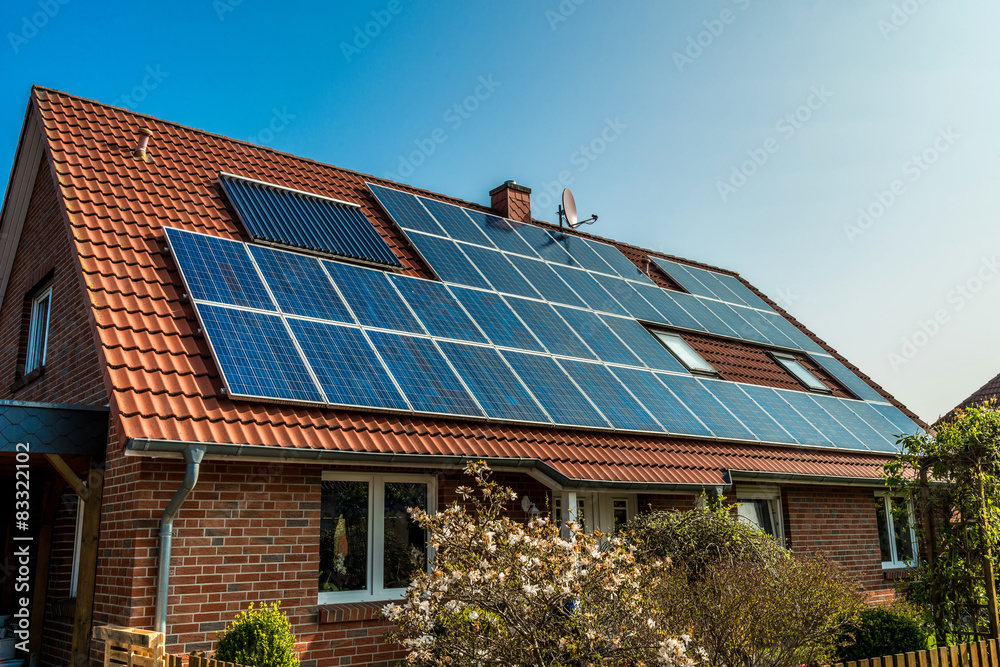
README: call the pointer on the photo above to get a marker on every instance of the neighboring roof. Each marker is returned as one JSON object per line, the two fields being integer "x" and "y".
{"x": 159, "y": 368}
{"x": 989, "y": 391}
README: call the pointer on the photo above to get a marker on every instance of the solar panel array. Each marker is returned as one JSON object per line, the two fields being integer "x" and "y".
{"x": 288, "y": 327}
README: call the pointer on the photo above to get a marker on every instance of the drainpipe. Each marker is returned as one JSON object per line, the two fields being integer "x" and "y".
{"x": 192, "y": 456}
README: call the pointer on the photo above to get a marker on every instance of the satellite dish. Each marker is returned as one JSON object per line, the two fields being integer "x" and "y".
{"x": 567, "y": 212}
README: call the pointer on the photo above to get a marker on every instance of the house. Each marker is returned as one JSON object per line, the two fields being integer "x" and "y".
{"x": 279, "y": 356}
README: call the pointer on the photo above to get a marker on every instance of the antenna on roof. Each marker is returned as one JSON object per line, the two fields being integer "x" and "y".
{"x": 567, "y": 212}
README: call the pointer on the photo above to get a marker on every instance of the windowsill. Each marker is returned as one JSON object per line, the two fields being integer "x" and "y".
{"x": 348, "y": 612}
{"x": 22, "y": 381}
{"x": 896, "y": 572}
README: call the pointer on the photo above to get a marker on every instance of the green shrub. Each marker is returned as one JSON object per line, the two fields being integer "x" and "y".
{"x": 884, "y": 631}
{"x": 258, "y": 638}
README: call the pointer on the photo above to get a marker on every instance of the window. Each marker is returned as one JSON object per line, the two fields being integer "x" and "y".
{"x": 38, "y": 330}
{"x": 896, "y": 538}
{"x": 686, "y": 354}
{"x": 793, "y": 366}
{"x": 762, "y": 508}
{"x": 77, "y": 543}
{"x": 368, "y": 545}
{"x": 581, "y": 512}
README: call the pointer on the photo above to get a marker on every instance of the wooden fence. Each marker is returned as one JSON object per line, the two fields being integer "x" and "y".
{"x": 130, "y": 647}
{"x": 977, "y": 654}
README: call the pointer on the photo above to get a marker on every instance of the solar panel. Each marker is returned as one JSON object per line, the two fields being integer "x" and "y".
{"x": 904, "y": 425}
{"x": 709, "y": 320}
{"x": 683, "y": 277}
{"x": 300, "y": 285}
{"x": 779, "y": 410}
{"x": 831, "y": 429}
{"x": 853, "y": 383}
{"x": 497, "y": 320}
{"x": 626, "y": 295}
{"x": 753, "y": 417}
{"x": 645, "y": 346}
{"x": 670, "y": 310}
{"x": 577, "y": 248}
{"x": 618, "y": 261}
{"x": 277, "y": 214}
{"x": 257, "y": 356}
{"x": 861, "y": 430}
{"x": 549, "y": 328}
{"x": 802, "y": 341}
{"x": 454, "y": 221}
{"x": 499, "y": 271}
{"x": 217, "y": 270}
{"x": 405, "y": 210}
{"x": 554, "y": 390}
{"x": 610, "y": 397}
{"x": 598, "y": 336}
{"x": 502, "y": 232}
{"x": 736, "y": 286}
{"x": 670, "y": 412}
{"x": 447, "y": 260}
{"x": 372, "y": 298}
{"x": 544, "y": 279}
{"x": 546, "y": 246}
{"x": 587, "y": 289}
{"x": 876, "y": 420}
{"x": 712, "y": 281}
{"x": 421, "y": 371}
{"x": 492, "y": 382}
{"x": 346, "y": 365}
{"x": 437, "y": 309}
{"x": 765, "y": 327}
{"x": 707, "y": 408}
{"x": 733, "y": 320}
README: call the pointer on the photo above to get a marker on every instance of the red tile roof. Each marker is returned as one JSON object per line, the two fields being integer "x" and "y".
{"x": 989, "y": 391}
{"x": 160, "y": 371}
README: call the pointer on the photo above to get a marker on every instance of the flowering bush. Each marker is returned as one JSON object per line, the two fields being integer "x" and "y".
{"x": 507, "y": 593}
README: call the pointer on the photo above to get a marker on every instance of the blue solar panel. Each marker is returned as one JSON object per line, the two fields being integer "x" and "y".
{"x": 849, "y": 419}
{"x": 683, "y": 277}
{"x": 670, "y": 311}
{"x": 499, "y": 271}
{"x": 300, "y": 285}
{"x": 598, "y": 336}
{"x": 669, "y": 411}
{"x": 782, "y": 412}
{"x": 904, "y": 425}
{"x": 549, "y": 328}
{"x": 766, "y": 327}
{"x": 493, "y": 384}
{"x": 218, "y": 270}
{"x": 701, "y": 402}
{"x": 554, "y": 390}
{"x": 853, "y": 383}
{"x": 546, "y": 246}
{"x": 427, "y": 380}
{"x": 640, "y": 341}
{"x": 577, "y": 248}
{"x": 405, "y": 210}
{"x": 496, "y": 318}
{"x": 751, "y": 414}
{"x": 257, "y": 356}
{"x": 544, "y": 279}
{"x": 709, "y": 320}
{"x": 305, "y": 220}
{"x": 736, "y": 286}
{"x": 437, "y": 309}
{"x": 619, "y": 262}
{"x": 587, "y": 288}
{"x": 876, "y": 420}
{"x": 626, "y": 295}
{"x": 610, "y": 397}
{"x": 502, "y": 232}
{"x": 802, "y": 341}
{"x": 372, "y": 298}
{"x": 711, "y": 280}
{"x": 346, "y": 365}
{"x": 732, "y": 319}
{"x": 455, "y": 222}
{"x": 447, "y": 260}
{"x": 831, "y": 429}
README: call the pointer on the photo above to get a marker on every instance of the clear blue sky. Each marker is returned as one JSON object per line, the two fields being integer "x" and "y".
{"x": 833, "y": 99}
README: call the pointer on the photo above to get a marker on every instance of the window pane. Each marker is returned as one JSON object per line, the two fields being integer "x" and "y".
{"x": 343, "y": 542}
{"x": 901, "y": 529}
{"x": 883, "y": 530}
{"x": 793, "y": 366}
{"x": 405, "y": 541}
{"x": 38, "y": 332}
{"x": 684, "y": 352}
{"x": 620, "y": 509}
{"x": 757, "y": 512}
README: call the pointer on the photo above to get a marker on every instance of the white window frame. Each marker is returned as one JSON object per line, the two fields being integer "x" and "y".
{"x": 684, "y": 353}
{"x": 376, "y": 533}
{"x": 32, "y": 363}
{"x": 772, "y": 495}
{"x": 77, "y": 547}
{"x": 598, "y": 508}
{"x": 802, "y": 374}
{"x": 896, "y": 563}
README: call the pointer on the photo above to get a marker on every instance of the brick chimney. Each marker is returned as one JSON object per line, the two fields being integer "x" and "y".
{"x": 511, "y": 200}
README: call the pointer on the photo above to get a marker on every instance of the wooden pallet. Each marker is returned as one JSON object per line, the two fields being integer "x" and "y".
{"x": 130, "y": 647}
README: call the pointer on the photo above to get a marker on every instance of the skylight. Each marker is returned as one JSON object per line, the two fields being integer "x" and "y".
{"x": 801, "y": 373}
{"x": 686, "y": 354}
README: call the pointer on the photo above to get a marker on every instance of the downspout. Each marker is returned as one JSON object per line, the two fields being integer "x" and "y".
{"x": 192, "y": 456}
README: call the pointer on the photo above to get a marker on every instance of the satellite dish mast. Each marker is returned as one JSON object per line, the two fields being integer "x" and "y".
{"x": 567, "y": 212}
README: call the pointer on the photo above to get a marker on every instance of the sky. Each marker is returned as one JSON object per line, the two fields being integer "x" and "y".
{"x": 842, "y": 155}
